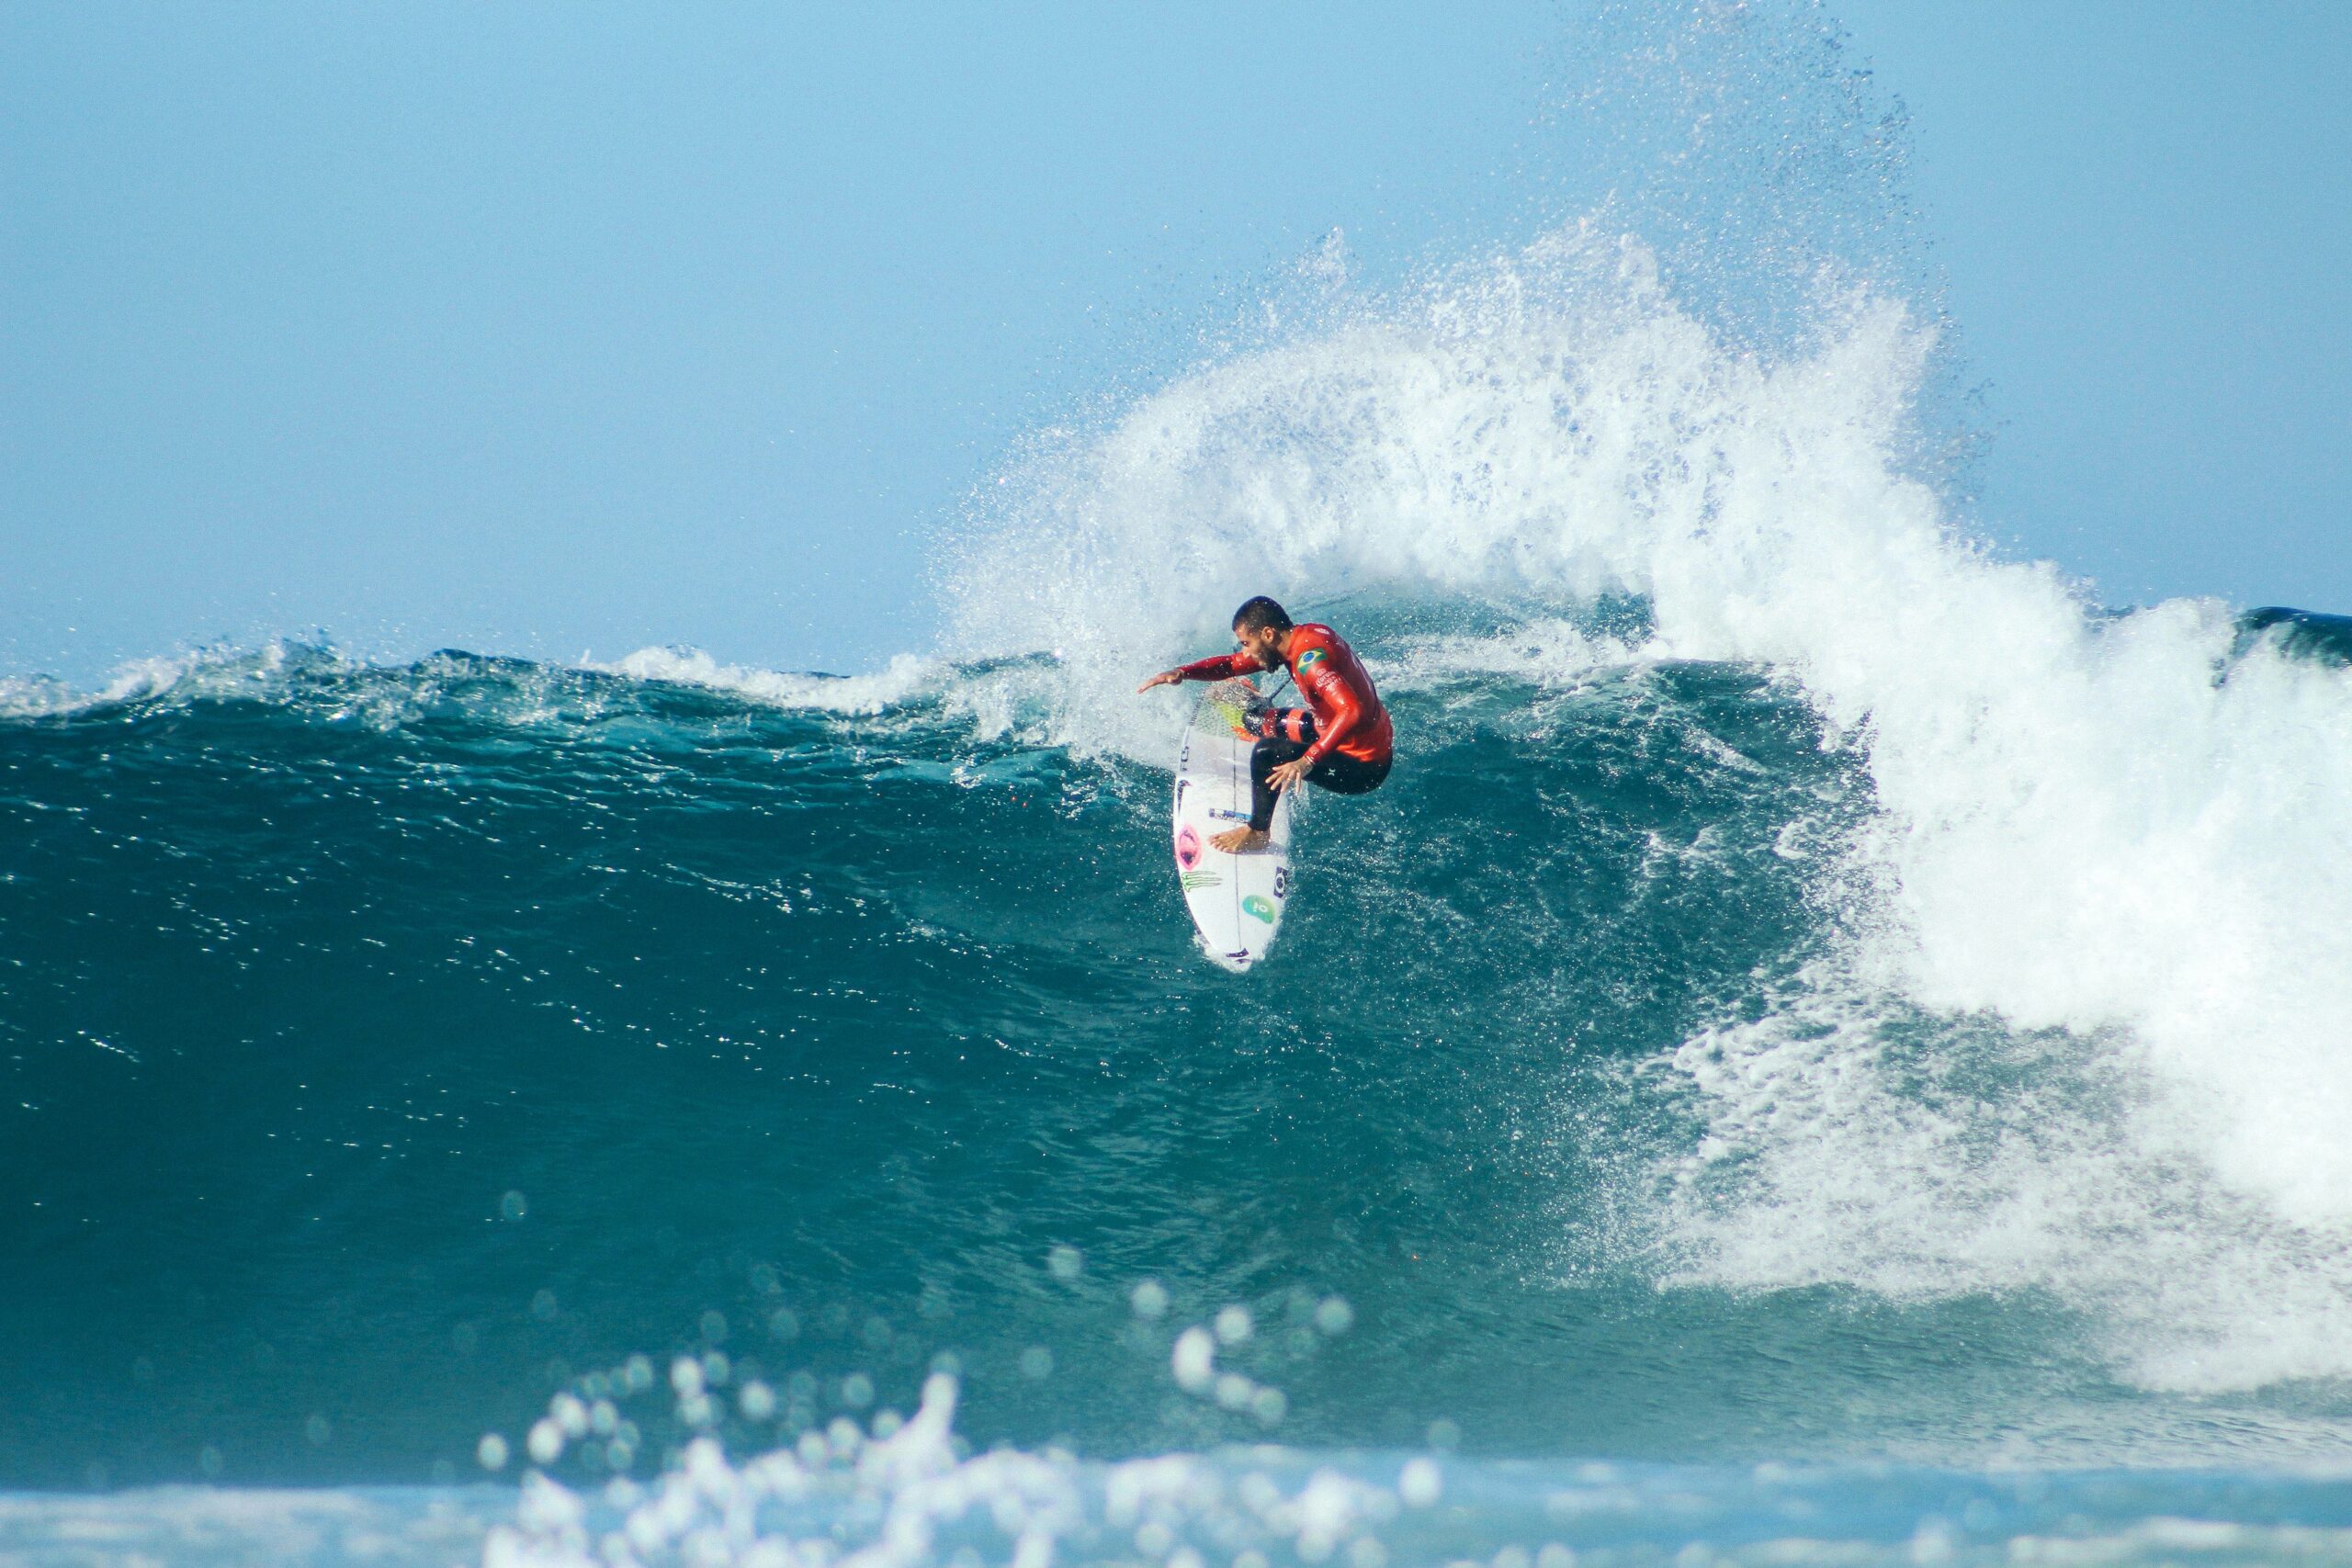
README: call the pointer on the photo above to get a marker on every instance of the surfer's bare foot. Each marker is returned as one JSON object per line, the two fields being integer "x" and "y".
{"x": 1240, "y": 840}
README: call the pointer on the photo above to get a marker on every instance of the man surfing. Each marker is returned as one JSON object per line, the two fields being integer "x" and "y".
{"x": 1341, "y": 741}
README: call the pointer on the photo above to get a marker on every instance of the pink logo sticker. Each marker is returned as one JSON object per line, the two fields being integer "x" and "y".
{"x": 1188, "y": 847}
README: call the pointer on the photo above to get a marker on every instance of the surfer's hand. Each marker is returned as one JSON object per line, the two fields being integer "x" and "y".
{"x": 1165, "y": 677}
{"x": 1287, "y": 775}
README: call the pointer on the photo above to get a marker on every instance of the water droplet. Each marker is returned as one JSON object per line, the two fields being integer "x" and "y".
{"x": 1194, "y": 1360}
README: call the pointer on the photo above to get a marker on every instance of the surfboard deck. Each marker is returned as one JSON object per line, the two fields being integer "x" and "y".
{"x": 1236, "y": 901}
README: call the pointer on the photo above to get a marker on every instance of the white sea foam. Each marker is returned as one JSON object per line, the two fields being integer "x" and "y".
{"x": 905, "y": 676}
{"x": 205, "y": 1525}
{"x": 389, "y": 692}
{"x": 41, "y": 696}
{"x": 905, "y": 1496}
{"x": 2081, "y": 829}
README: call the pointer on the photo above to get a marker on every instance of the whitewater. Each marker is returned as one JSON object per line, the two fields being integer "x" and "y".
{"x": 1829, "y": 1047}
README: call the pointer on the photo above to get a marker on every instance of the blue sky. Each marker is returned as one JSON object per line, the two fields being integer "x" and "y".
{"x": 2145, "y": 214}
{"x": 543, "y": 328}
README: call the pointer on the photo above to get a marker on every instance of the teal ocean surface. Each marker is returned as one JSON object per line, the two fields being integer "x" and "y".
{"x": 624, "y": 1077}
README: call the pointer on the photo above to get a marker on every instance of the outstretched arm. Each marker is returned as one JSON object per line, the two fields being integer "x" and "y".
{"x": 1218, "y": 668}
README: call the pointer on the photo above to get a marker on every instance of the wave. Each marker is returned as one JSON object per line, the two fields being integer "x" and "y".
{"x": 1812, "y": 986}
{"x": 2007, "y": 922}
{"x": 2081, "y": 829}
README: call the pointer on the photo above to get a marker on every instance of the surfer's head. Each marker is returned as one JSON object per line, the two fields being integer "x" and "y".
{"x": 1262, "y": 626}
{"x": 1260, "y": 614}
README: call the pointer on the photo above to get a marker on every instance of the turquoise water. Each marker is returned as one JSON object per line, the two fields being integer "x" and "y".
{"x": 390, "y": 1049}
{"x": 861, "y": 1017}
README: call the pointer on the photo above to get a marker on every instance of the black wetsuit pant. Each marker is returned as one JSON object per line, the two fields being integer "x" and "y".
{"x": 1292, "y": 732}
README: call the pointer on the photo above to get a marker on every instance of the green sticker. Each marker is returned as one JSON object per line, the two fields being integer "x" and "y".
{"x": 1193, "y": 881}
{"x": 1257, "y": 905}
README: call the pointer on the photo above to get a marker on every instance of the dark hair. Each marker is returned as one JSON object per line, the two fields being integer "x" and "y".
{"x": 1259, "y": 614}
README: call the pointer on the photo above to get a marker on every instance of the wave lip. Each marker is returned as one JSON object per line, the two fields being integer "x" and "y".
{"x": 906, "y": 676}
{"x": 317, "y": 676}
{"x": 2305, "y": 633}
{"x": 40, "y": 696}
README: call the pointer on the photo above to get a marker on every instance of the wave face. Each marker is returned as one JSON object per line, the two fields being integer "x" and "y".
{"x": 1646, "y": 1068}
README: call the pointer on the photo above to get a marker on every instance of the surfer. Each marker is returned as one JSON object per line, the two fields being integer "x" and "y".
{"x": 1341, "y": 740}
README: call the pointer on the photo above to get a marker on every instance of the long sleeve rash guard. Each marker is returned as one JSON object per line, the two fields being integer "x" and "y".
{"x": 1349, "y": 717}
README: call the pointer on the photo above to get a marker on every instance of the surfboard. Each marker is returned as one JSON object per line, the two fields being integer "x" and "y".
{"x": 1236, "y": 900}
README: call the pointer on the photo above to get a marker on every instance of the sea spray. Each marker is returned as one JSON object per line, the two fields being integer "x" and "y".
{"x": 2078, "y": 826}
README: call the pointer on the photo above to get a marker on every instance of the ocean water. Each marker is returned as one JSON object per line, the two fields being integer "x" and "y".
{"x": 1829, "y": 1047}
{"x": 397, "y": 1055}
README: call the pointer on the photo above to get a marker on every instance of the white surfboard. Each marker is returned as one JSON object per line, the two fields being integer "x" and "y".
{"x": 1237, "y": 900}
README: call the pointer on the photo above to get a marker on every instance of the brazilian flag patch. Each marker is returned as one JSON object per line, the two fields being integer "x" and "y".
{"x": 1313, "y": 656}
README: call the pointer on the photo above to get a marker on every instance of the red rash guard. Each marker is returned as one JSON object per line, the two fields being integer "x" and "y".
{"x": 1349, "y": 718}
